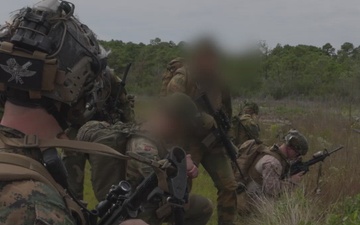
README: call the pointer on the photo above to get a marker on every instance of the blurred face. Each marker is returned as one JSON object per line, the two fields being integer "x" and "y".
{"x": 167, "y": 126}
{"x": 206, "y": 63}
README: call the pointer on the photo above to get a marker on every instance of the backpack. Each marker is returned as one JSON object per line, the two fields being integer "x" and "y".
{"x": 115, "y": 136}
{"x": 249, "y": 153}
{"x": 167, "y": 77}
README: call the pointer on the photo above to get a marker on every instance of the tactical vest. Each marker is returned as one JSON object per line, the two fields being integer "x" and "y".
{"x": 16, "y": 167}
{"x": 273, "y": 151}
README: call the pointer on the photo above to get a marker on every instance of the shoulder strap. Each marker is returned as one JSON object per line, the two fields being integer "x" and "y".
{"x": 32, "y": 141}
{"x": 19, "y": 167}
{"x": 274, "y": 151}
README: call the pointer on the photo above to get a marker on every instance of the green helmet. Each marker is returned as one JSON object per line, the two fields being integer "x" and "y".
{"x": 297, "y": 141}
{"x": 250, "y": 108}
{"x": 181, "y": 107}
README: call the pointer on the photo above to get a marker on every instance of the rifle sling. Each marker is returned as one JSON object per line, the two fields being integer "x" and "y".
{"x": 32, "y": 141}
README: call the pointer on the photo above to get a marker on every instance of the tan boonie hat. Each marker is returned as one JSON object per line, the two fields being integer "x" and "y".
{"x": 297, "y": 141}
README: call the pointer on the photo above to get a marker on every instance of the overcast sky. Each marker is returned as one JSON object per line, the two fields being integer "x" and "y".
{"x": 234, "y": 22}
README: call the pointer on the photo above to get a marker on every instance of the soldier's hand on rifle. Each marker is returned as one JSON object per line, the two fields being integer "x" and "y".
{"x": 192, "y": 170}
{"x": 297, "y": 177}
{"x": 133, "y": 222}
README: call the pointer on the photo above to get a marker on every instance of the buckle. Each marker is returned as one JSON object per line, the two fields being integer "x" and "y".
{"x": 31, "y": 141}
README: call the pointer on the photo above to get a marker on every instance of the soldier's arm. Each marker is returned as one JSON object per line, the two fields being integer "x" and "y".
{"x": 177, "y": 84}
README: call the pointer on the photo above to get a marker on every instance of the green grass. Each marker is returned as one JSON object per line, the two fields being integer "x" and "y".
{"x": 325, "y": 125}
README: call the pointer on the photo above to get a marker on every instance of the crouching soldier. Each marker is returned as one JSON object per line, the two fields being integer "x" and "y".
{"x": 245, "y": 126}
{"x": 266, "y": 169}
{"x": 170, "y": 123}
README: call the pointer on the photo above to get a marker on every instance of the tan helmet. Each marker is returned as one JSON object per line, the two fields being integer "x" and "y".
{"x": 297, "y": 141}
{"x": 175, "y": 64}
{"x": 50, "y": 59}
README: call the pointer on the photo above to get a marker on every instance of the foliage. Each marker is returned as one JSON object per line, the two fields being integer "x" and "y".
{"x": 285, "y": 71}
{"x": 346, "y": 213}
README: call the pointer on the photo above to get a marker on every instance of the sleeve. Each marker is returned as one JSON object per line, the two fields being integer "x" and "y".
{"x": 137, "y": 171}
{"x": 32, "y": 202}
{"x": 177, "y": 84}
{"x": 252, "y": 129}
{"x": 271, "y": 173}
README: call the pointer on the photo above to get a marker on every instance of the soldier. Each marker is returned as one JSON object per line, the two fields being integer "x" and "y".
{"x": 170, "y": 72}
{"x": 173, "y": 120}
{"x": 50, "y": 68}
{"x": 121, "y": 109}
{"x": 245, "y": 126}
{"x": 269, "y": 167}
{"x": 203, "y": 77}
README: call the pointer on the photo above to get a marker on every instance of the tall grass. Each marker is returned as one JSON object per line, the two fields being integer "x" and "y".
{"x": 327, "y": 125}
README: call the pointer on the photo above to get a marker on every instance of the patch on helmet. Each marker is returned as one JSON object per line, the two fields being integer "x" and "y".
{"x": 21, "y": 72}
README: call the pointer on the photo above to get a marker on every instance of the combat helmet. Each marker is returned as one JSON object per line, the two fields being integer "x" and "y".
{"x": 48, "y": 58}
{"x": 175, "y": 64}
{"x": 297, "y": 141}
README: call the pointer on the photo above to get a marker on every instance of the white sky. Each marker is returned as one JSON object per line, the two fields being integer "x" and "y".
{"x": 234, "y": 23}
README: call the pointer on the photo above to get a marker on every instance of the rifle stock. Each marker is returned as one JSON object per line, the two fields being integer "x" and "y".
{"x": 123, "y": 205}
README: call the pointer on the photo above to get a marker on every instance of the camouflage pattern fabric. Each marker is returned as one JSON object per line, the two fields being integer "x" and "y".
{"x": 29, "y": 202}
{"x": 75, "y": 162}
{"x": 199, "y": 209}
{"x": 267, "y": 173}
{"x": 106, "y": 171}
{"x": 213, "y": 158}
{"x": 244, "y": 128}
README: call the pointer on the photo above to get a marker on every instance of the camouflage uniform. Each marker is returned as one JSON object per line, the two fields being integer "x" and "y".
{"x": 244, "y": 128}
{"x": 268, "y": 170}
{"x": 29, "y": 202}
{"x": 265, "y": 175}
{"x": 199, "y": 209}
{"x": 212, "y": 156}
{"x": 100, "y": 165}
{"x": 171, "y": 68}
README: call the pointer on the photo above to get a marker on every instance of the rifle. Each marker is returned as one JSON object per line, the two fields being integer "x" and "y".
{"x": 320, "y": 156}
{"x": 223, "y": 126}
{"x": 123, "y": 82}
{"x": 122, "y": 204}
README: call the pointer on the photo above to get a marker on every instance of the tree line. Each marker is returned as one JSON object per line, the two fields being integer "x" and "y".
{"x": 300, "y": 71}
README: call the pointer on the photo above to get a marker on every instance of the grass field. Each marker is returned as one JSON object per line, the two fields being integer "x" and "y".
{"x": 327, "y": 125}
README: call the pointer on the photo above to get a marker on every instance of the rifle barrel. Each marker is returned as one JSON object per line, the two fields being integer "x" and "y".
{"x": 335, "y": 150}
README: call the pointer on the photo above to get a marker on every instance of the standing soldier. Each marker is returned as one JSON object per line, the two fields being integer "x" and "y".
{"x": 117, "y": 108}
{"x": 203, "y": 77}
{"x": 51, "y": 67}
{"x": 245, "y": 126}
